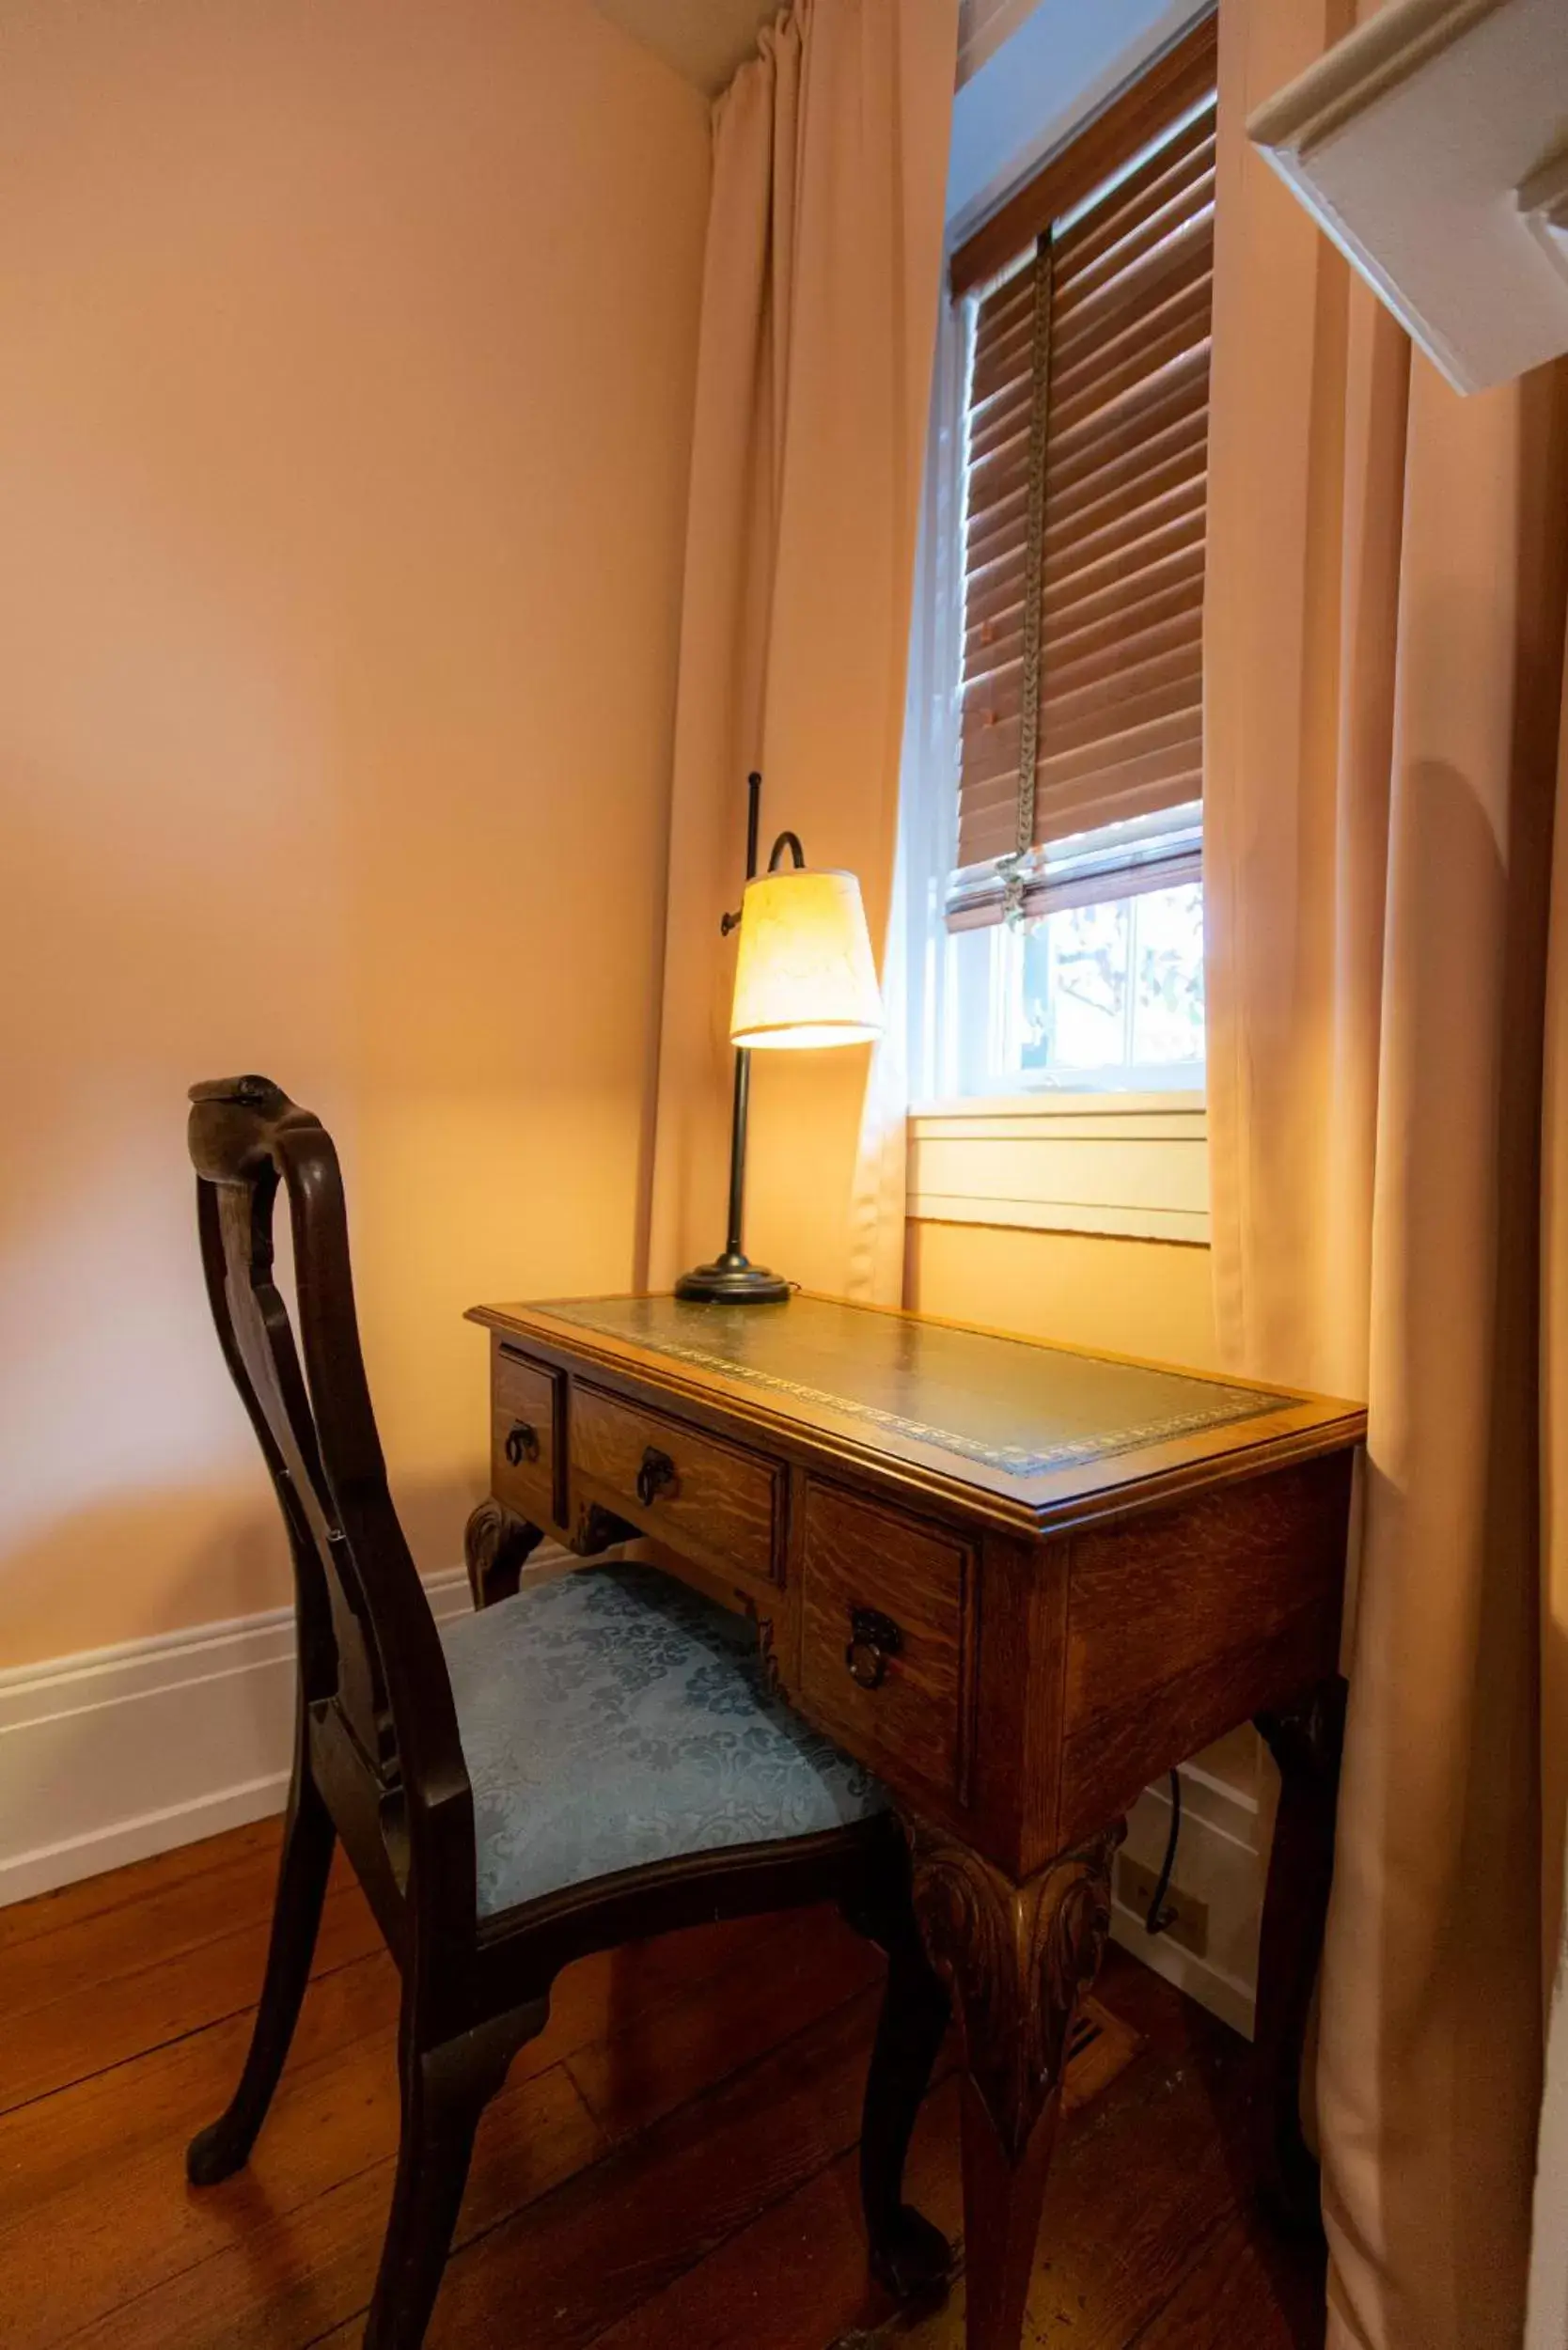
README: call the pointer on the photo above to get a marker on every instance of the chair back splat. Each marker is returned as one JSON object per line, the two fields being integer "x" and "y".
{"x": 383, "y": 1729}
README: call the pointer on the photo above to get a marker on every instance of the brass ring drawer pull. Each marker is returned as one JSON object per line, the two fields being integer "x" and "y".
{"x": 873, "y": 1638}
{"x": 656, "y": 1475}
{"x": 522, "y": 1442}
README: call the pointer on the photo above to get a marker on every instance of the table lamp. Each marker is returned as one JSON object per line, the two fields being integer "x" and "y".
{"x": 804, "y": 978}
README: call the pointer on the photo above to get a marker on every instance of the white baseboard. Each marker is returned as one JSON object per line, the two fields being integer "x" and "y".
{"x": 1222, "y": 1858}
{"x": 116, "y": 1754}
{"x": 122, "y": 1752}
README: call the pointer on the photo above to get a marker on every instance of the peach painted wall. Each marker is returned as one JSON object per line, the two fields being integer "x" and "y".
{"x": 1131, "y": 1296}
{"x": 346, "y": 356}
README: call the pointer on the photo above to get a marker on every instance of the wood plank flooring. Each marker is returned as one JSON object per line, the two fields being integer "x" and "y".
{"x": 670, "y": 2167}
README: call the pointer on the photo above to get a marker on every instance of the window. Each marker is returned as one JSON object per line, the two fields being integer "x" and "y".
{"x": 1072, "y": 892}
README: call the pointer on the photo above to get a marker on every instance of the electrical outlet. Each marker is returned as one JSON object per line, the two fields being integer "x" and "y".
{"x": 1134, "y": 1890}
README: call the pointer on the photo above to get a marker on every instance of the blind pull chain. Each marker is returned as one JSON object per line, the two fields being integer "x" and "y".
{"x": 1014, "y": 866}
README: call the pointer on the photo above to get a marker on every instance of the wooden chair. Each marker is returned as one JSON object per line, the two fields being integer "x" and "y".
{"x": 595, "y": 1759}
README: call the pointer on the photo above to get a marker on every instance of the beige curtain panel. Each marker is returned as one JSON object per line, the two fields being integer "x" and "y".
{"x": 1387, "y": 583}
{"x": 818, "y": 317}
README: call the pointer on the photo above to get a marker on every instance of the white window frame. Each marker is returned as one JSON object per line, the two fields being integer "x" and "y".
{"x": 976, "y": 1053}
{"x": 954, "y": 1049}
{"x": 1129, "y": 1165}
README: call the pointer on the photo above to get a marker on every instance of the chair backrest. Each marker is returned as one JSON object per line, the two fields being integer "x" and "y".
{"x": 370, "y": 1654}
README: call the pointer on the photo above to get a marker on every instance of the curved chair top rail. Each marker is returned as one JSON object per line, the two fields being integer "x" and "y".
{"x": 369, "y": 1653}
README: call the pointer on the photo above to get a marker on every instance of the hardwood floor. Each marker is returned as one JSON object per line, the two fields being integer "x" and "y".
{"x": 670, "y": 2167}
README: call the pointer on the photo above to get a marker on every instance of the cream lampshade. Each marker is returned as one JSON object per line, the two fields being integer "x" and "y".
{"x": 803, "y": 975}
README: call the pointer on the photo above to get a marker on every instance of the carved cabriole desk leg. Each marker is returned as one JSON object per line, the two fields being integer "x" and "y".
{"x": 496, "y": 1546}
{"x": 1017, "y": 1957}
{"x": 1306, "y": 1740}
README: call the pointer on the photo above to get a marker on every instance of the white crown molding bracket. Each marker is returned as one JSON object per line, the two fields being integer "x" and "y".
{"x": 118, "y": 1753}
{"x": 1431, "y": 144}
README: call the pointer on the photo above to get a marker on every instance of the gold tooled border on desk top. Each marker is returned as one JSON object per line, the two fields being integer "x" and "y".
{"x": 1012, "y": 1460}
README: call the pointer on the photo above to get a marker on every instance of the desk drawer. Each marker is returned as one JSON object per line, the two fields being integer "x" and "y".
{"x": 701, "y": 1494}
{"x": 524, "y": 1429}
{"x": 896, "y": 1691}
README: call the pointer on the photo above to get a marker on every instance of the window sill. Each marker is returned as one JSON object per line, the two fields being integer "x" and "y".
{"x": 1124, "y": 1166}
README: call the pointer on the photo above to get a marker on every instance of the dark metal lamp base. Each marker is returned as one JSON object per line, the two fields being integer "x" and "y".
{"x": 732, "y": 1280}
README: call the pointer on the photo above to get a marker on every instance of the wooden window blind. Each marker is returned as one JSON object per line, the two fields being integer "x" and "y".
{"x": 1087, "y": 440}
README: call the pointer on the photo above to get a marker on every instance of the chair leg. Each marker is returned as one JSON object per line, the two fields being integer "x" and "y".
{"x": 445, "y": 2091}
{"x": 909, "y": 2257}
{"x": 308, "y": 1836}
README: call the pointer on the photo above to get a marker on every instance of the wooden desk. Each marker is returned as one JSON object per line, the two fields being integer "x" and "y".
{"x": 1019, "y": 1582}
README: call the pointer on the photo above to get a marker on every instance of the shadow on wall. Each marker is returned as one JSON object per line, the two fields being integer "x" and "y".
{"x": 122, "y": 1752}
{"x": 219, "y": 1556}
{"x": 222, "y": 1557}
{"x": 134, "y": 1501}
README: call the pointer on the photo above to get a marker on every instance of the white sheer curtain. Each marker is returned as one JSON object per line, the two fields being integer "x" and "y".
{"x": 904, "y": 1064}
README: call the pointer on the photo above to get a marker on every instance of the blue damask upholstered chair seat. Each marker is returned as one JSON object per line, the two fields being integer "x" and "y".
{"x": 612, "y": 1717}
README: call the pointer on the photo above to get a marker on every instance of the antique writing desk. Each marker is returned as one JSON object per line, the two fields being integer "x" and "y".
{"x": 1019, "y": 1582}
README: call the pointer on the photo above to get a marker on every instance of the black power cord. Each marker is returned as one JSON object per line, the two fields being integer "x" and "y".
{"x": 1159, "y": 1918}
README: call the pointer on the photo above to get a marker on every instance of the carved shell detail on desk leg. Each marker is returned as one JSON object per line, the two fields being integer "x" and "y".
{"x": 599, "y": 1528}
{"x": 496, "y": 1545}
{"x": 1017, "y": 1957}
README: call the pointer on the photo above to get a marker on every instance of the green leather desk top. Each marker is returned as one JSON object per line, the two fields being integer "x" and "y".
{"x": 1011, "y": 1405}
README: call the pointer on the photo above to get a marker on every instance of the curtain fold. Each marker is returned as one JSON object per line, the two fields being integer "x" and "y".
{"x": 1384, "y": 675}
{"x": 1547, "y": 2328}
{"x": 819, "y": 316}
